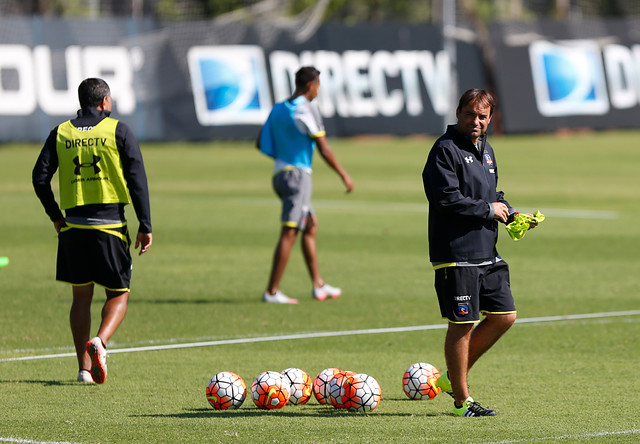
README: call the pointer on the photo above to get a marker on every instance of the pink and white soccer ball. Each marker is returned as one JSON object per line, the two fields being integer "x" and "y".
{"x": 360, "y": 393}
{"x": 321, "y": 384}
{"x": 301, "y": 385}
{"x": 270, "y": 390}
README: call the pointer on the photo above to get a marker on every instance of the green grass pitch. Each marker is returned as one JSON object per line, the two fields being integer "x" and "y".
{"x": 215, "y": 222}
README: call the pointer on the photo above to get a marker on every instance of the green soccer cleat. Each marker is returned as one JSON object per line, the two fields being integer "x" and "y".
{"x": 472, "y": 408}
{"x": 4, "y": 261}
{"x": 444, "y": 384}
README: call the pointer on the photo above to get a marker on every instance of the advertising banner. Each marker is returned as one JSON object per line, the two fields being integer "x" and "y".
{"x": 206, "y": 81}
{"x": 42, "y": 62}
{"x": 196, "y": 81}
{"x": 553, "y": 75}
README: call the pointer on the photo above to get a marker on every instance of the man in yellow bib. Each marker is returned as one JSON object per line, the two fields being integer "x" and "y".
{"x": 100, "y": 170}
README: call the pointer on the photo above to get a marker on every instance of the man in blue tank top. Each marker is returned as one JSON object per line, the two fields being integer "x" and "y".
{"x": 290, "y": 135}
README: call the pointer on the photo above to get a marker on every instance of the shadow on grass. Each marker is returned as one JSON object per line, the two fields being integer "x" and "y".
{"x": 186, "y": 301}
{"x": 44, "y": 382}
{"x": 252, "y": 413}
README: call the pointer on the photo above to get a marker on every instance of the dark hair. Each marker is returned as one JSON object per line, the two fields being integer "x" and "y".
{"x": 305, "y": 75}
{"x": 92, "y": 91}
{"x": 477, "y": 97}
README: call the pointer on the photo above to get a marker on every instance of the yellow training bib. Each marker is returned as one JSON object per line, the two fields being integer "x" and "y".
{"x": 90, "y": 170}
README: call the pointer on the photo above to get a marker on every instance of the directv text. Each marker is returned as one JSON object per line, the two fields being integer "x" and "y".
{"x": 85, "y": 143}
{"x": 357, "y": 83}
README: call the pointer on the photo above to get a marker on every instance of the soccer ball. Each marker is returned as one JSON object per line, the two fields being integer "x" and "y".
{"x": 226, "y": 390}
{"x": 301, "y": 385}
{"x": 270, "y": 390}
{"x": 334, "y": 388}
{"x": 360, "y": 393}
{"x": 419, "y": 381}
{"x": 321, "y": 384}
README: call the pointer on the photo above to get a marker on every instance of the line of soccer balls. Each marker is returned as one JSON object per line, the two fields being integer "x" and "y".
{"x": 342, "y": 389}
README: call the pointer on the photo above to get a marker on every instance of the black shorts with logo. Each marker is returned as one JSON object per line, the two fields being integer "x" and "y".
{"x": 87, "y": 255}
{"x": 466, "y": 291}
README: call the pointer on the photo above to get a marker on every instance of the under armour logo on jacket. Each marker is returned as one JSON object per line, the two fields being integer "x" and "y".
{"x": 468, "y": 159}
{"x": 94, "y": 164}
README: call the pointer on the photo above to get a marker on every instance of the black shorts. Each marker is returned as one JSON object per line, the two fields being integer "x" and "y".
{"x": 465, "y": 292}
{"x": 95, "y": 256}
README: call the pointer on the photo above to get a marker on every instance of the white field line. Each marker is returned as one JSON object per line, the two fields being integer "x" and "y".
{"x": 557, "y": 438}
{"x": 547, "y": 438}
{"x": 30, "y": 441}
{"x": 409, "y": 207}
{"x": 325, "y": 334}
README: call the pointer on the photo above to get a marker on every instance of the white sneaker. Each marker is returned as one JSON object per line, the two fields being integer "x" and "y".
{"x": 326, "y": 291}
{"x": 85, "y": 376}
{"x": 98, "y": 355}
{"x": 278, "y": 298}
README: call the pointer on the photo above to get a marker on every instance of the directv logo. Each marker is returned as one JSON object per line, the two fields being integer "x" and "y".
{"x": 229, "y": 85}
{"x": 568, "y": 78}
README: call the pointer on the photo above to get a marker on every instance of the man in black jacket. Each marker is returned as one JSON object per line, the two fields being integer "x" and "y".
{"x": 100, "y": 170}
{"x": 460, "y": 180}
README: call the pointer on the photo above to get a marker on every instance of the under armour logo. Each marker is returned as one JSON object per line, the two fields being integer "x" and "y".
{"x": 468, "y": 159}
{"x": 94, "y": 164}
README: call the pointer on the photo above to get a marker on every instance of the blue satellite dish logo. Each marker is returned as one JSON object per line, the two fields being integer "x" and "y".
{"x": 568, "y": 78}
{"x": 230, "y": 85}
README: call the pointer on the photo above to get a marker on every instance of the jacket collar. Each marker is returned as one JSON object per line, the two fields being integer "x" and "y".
{"x": 92, "y": 112}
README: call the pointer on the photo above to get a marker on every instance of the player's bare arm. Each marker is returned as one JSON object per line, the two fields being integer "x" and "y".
{"x": 327, "y": 154}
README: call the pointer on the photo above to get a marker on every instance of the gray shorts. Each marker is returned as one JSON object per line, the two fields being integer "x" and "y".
{"x": 294, "y": 189}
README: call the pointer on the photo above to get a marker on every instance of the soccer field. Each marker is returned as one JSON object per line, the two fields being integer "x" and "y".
{"x": 567, "y": 371}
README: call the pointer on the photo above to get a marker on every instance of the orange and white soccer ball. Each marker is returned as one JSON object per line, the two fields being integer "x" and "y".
{"x": 321, "y": 384}
{"x": 300, "y": 383}
{"x": 335, "y": 388}
{"x": 419, "y": 381}
{"x": 226, "y": 390}
{"x": 270, "y": 390}
{"x": 360, "y": 393}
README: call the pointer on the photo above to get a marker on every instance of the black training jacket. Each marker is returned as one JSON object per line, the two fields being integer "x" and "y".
{"x": 460, "y": 182}
{"x": 133, "y": 168}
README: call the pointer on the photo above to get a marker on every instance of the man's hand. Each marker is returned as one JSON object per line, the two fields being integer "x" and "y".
{"x": 501, "y": 211}
{"x": 533, "y": 223}
{"x": 58, "y": 224}
{"x": 327, "y": 154}
{"x": 348, "y": 182}
{"x": 144, "y": 241}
